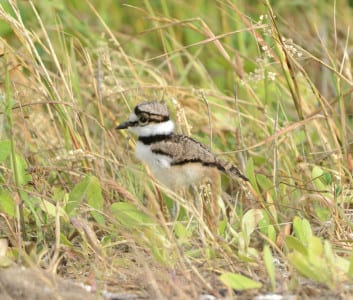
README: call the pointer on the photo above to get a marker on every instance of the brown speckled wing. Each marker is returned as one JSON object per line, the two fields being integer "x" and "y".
{"x": 183, "y": 149}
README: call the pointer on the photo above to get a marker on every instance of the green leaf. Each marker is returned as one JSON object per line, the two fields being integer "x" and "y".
{"x": 50, "y": 209}
{"x": 89, "y": 190}
{"x": 250, "y": 221}
{"x": 315, "y": 249}
{"x": 316, "y": 174}
{"x": 341, "y": 264}
{"x": 295, "y": 244}
{"x": 7, "y": 203}
{"x": 77, "y": 196}
{"x": 323, "y": 213}
{"x": 300, "y": 262}
{"x": 222, "y": 227}
{"x": 128, "y": 215}
{"x": 312, "y": 270}
{"x": 64, "y": 241}
{"x": 302, "y": 230}
{"x": 326, "y": 178}
{"x": 181, "y": 232}
{"x": 95, "y": 199}
{"x": 264, "y": 182}
{"x": 239, "y": 282}
{"x": 32, "y": 204}
{"x": 270, "y": 267}
{"x": 21, "y": 167}
{"x": 271, "y": 233}
{"x": 5, "y": 150}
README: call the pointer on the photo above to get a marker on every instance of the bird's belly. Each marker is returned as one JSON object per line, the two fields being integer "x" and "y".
{"x": 172, "y": 176}
{"x": 183, "y": 176}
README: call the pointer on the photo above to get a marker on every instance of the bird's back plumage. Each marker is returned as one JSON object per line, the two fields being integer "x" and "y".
{"x": 184, "y": 149}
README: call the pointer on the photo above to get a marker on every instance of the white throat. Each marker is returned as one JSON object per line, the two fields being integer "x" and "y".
{"x": 163, "y": 128}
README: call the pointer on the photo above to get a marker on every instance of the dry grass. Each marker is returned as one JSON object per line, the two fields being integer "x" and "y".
{"x": 274, "y": 100}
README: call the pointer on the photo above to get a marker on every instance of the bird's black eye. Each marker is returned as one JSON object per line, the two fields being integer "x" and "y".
{"x": 143, "y": 120}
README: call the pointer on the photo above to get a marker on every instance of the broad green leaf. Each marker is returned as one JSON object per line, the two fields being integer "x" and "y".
{"x": 321, "y": 178}
{"x": 7, "y": 203}
{"x": 89, "y": 190}
{"x": 95, "y": 199}
{"x": 239, "y": 282}
{"x": 315, "y": 249}
{"x": 128, "y": 215}
{"x": 341, "y": 264}
{"x": 5, "y": 150}
{"x": 306, "y": 227}
{"x": 326, "y": 178}
{"x": 77, "y": 196}
{"x": 250, "y": 221}
{"x": 316, "y": 174}
{"x": 271, "y": 233}
{"x": 159, "y": 254}
{"x": 222, "y": 227}
{"x": 50, "y": 209}
{"x": 248, "y": 254}
{"x": 315, "y": 271}
{"x": 270, "y": 267}
{"x": 32, "y": 204}
{"x": 181, "y": 232}
{"x": 302, "y": 230}
{"x": 266, "y": 227}
{"x": 264, "y": 222}
{"x": 21, "y": 167}
{"x": 264, "y": 182}
{"x": 295, "y": 244}
{"x": 329, "y": 255}
{"x": 301, "y": 263}
{"x": 323, "y": 213}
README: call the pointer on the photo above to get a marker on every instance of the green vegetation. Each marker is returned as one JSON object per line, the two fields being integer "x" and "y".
{"x": 267, "y": 83}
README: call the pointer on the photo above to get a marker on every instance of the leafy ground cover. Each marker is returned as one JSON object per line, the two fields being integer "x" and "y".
{"x": 266, "y": 85}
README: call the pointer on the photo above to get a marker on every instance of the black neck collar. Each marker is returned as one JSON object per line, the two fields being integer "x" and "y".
{"x": 148, "y": 140}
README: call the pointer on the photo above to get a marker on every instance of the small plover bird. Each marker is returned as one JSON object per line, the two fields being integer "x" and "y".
{"x": 177, "y": 161}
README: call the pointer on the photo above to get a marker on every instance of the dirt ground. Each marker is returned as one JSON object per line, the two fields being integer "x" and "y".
{"x": 20, "y": 283}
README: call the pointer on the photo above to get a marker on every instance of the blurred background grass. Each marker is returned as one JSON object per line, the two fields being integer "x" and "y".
{"x": 275, "y": 78}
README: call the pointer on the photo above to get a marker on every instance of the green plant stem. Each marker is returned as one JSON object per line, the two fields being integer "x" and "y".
{"x": 8, "y": 111}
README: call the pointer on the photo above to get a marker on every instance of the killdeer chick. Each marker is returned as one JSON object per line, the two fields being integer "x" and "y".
{"x": 175, "y": 160}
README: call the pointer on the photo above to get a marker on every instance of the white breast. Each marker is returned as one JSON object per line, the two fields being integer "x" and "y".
{"x": 160, "y": 166}
{"x": 173, "y": 177}
{"x": 154, "y": 161}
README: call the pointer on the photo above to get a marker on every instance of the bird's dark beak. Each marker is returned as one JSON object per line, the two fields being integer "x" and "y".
{"x": 123, "y": 125}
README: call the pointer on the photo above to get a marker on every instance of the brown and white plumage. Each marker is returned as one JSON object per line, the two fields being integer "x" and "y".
{"x": 185, "y": 150}
{"x": 178, "y": 161}
{"x": 175, "y": 160}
